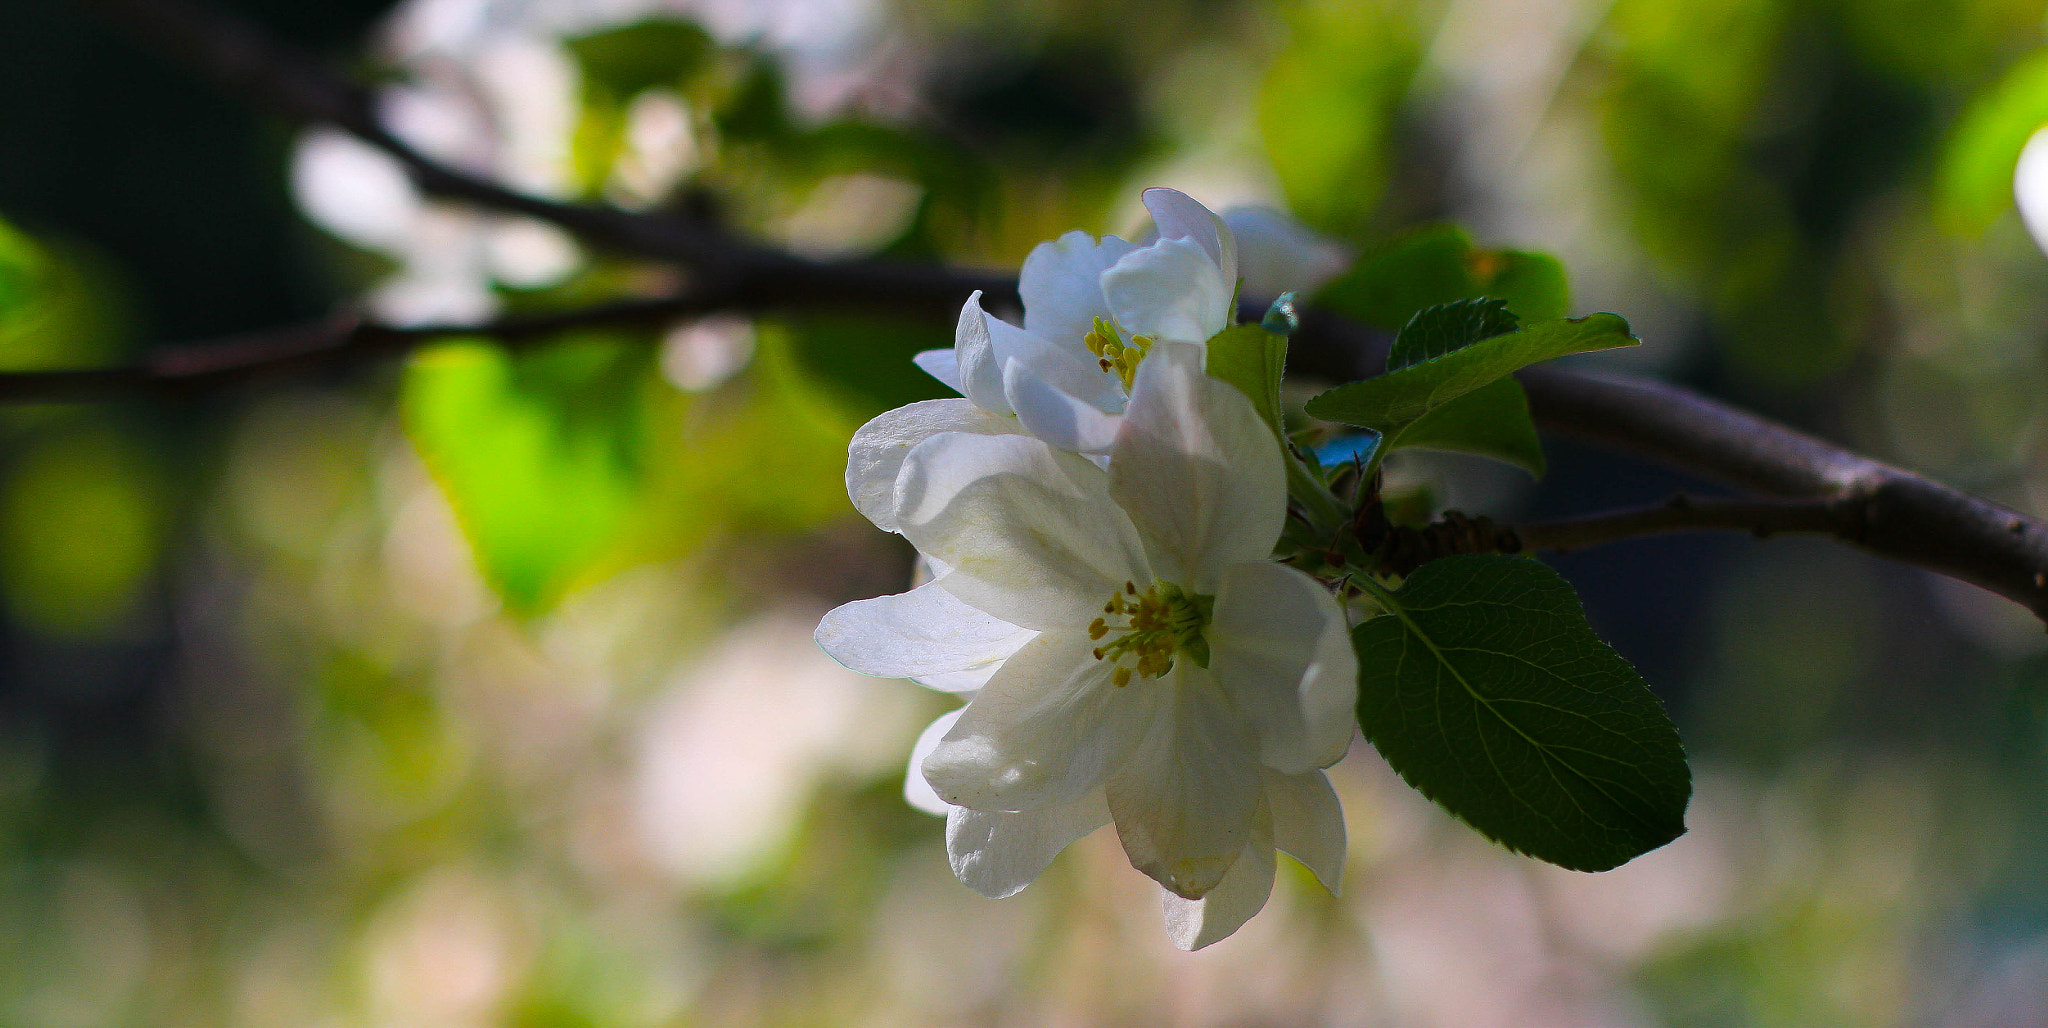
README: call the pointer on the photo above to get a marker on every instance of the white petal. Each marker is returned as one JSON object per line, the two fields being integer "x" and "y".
{"x": 1276, "y": 254}
{"x": 980, "y": 370}
{"x": 1060, "y": 418}
{"x": 1193, "y": 924}
{"x": 1045, "y": 730}
{"x": 1180, "y": 216}
{"x": 924, "y": 632}
{"x": 1308, "y": 823}
{"x": 1031, "y": 534}
{"x": 966, "y": 680}
{"x": 943, "y": 365}
{"x": 1070, "y": 367}
{"x": 1169, "y": 290}
{"x": 1197, "y": 469}
{"x": 998, "y": 853}
{"x": 1061, "y": 284}
{"x": 1186, "y": 795}
{"x": 916, "y": 791}
{"x": 877, "y": 450}
{"x": 1280, "y": 645}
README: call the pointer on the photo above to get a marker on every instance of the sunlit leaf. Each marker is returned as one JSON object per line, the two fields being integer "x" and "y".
{"x": 1327, "y": 107}
{"x": 1974, "y": 182}
{"x": 1485, "y": 689}
{"x": 539, "y": 453}
{"x": 57, "y": 308}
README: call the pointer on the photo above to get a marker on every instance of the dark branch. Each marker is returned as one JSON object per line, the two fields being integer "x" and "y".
{"x": 301, "y": 88}
{"x": 1886, "y": 510}
{"x": 1898, "y": 514}
{"x": 1760, "y": 518}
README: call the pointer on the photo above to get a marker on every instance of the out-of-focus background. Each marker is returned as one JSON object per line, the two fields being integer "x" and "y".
{"x": 477, "y": 689}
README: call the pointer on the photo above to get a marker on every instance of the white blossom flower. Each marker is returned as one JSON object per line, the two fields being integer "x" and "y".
{"x": 1092, "y": 310}
{"x": 1134, "y": 654}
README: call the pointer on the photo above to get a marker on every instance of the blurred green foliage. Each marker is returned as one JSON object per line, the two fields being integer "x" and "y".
{"x": 346, "y": 701}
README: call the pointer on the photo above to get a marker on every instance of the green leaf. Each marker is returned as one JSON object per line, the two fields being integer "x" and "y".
{"x": 1486, "y": 689}
{"x": 539, "y": 453}
{"x": 627, "y": 60}
{"x": 1491, "y": 421}
{"x": 1252, "y": 359}
{"x": 1387, "y": 286}
{"x": 1330, "y": 103}
{"x": 867, "y": 359}
{"x": 1438, "y": 264}
{"x": 1393, "y": 401}
{"x": 1533, "y": 285}
{"x": 1439, "y": 330}
{"x": 1973, "y": 184}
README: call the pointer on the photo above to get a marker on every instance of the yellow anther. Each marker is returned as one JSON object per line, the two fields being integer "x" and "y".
{"x": 1164, "y": 622}
{"x": 1114, "y": 355}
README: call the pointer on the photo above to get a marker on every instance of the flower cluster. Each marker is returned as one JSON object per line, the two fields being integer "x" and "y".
{"x": 1098, "y": 515}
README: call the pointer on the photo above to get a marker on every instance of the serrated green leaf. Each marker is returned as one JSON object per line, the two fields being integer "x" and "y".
{"x": 1435, "y": 331}
{"x": 1393, "y": 401}
{"x": 1487, "y": 691}
{"x": 1491, "y": 421}
{"x": 1973, "y": 184}
{"x": 1252, "y": 359}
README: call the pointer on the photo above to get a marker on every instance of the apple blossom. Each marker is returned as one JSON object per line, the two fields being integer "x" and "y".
{"x": 1134, "y": 655}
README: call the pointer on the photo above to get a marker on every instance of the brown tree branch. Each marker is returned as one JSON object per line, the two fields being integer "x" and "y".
{"x": 301, "y": 88}
{"x": 1886, "y": 510}
{"x": 1842, "y": 519}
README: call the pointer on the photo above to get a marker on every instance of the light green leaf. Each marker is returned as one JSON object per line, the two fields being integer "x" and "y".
{"x": 1329, "y": 103}
{"x": 1252, "y": 359}
{"x": 1491, "y": 421}
{"x": 539, "y": 454}
{"x": 1973, "y": 184}
{"x": 1391, "y": 402}
{"x": 1487, "y": 691}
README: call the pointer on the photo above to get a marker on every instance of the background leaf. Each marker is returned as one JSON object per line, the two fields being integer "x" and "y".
{"x": 1393, "y": 401}
{"x": 1439, "y": 264}
{"x": 1973, "y": 184}
{"x": 1486, "y": 689}
{"x": 539, "y": 453}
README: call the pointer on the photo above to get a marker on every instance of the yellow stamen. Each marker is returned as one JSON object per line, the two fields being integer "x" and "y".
{"x": 1164, "y": 623}
{"x": 1113, "y": 354}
